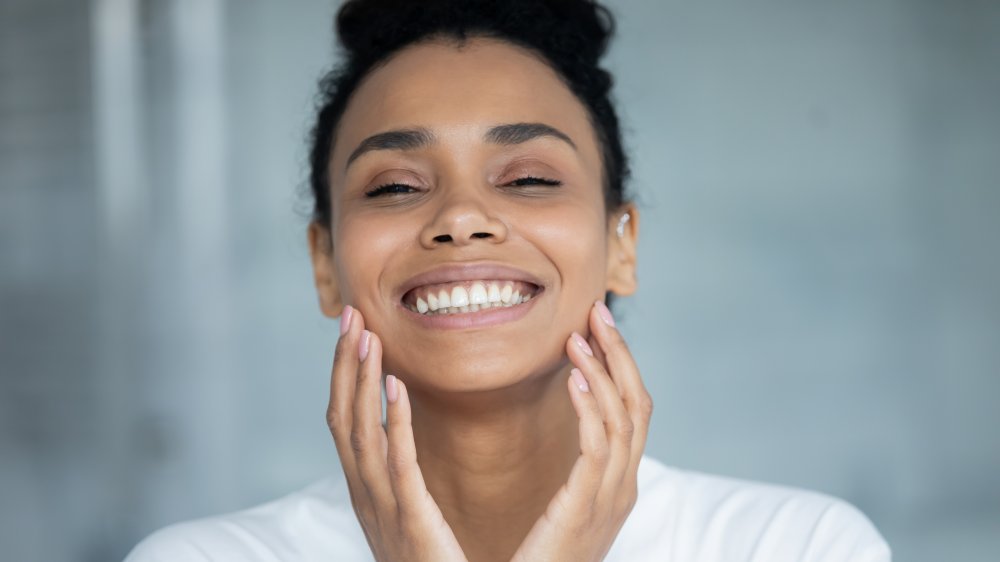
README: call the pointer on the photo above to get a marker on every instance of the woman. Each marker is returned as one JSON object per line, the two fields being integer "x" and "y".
{"x": 469, "y": 222}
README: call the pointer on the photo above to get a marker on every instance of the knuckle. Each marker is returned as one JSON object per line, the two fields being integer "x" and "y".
{"x": 358, "y": 440}
{"x": 646, "y": 405}
{"x": 393, "y": 422}
{"x": 600, "y": 454}
{"x": 397, "y": 461}
{"x": 625, "y": 429}
{"x": 337, "y": 422}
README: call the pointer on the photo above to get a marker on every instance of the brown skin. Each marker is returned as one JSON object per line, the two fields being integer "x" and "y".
{"x": 489, "y": 412}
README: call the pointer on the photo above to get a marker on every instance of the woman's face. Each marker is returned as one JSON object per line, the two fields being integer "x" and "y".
{"x": 469, "y": 173}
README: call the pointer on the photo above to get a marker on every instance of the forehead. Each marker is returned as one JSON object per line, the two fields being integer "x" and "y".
{"x": 459, "y": 91}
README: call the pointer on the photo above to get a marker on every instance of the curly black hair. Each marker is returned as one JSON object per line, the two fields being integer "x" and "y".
{"x": 570, "y": 35}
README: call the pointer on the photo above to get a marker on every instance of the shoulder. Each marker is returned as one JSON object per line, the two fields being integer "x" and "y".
{"x": 315, "y": 523}
{"x": 684, "y": 515}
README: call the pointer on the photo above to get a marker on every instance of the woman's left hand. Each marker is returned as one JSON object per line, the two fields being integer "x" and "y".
{"x": 583, "y": 519}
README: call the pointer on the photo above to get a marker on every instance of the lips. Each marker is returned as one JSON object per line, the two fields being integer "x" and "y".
{"x": 461, "y": 289}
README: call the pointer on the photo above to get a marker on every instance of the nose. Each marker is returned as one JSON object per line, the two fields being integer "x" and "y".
{"x": 462, "y": 220}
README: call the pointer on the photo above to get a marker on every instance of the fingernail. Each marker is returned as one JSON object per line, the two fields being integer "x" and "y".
{"x": 391, "y": 390}
{"x": 363, "y": 344}
{"x": 605, "y": 313}
{"x": 579, "y": 380}
{"x": 583, "y": 344}
{"x": 345, "y": 319}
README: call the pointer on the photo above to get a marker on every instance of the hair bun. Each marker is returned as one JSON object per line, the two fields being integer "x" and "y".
{"x": 580, "y": 28}
{"x": 587, "y": 26}
{"x": 365, "y": 25}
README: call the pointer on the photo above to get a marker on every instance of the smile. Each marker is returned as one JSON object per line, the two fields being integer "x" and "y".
{"x": 468, "y": 296}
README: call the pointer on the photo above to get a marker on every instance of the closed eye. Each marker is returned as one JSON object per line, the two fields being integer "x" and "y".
{"x": 390, "y": 189}
{"x": 531, "y": 180}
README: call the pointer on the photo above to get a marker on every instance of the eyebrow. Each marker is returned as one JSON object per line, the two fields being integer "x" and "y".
{"x": 516, "y": 133}
{"x": 412, "y": 139}
{"x": 404, "y": 139}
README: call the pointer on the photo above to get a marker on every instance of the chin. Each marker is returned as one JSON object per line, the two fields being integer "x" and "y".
{"x": 473, "y": 370}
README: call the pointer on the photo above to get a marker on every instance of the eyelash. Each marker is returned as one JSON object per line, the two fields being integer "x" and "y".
{"x": 532, "y": 180}
{"x": 389, "y": 189}
{"x": 398, "y": 188}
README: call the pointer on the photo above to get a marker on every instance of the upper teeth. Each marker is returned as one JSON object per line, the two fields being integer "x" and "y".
{"x": 480, "y": 295}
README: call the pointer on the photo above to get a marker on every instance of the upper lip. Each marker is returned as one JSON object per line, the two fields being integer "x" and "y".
{"x": 467, "y": 272}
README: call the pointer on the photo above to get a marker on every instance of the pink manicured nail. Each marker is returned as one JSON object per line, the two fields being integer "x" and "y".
{"x": 363, "y": 344}
{"x": 583, "y": 344}
{"x": 345, "y": 319}
{"x": 605, "y": 313}
{"x": 391, "y": 390}
{"x": 579, "y": 380}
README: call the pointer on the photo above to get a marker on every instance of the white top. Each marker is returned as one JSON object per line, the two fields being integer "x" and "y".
{"x": 679, "y": 516}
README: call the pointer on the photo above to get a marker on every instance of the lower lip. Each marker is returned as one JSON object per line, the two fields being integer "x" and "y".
{"x": 469, "y": 320}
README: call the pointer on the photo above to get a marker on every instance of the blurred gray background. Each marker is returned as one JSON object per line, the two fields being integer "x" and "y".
{"x": 819, "y": 302}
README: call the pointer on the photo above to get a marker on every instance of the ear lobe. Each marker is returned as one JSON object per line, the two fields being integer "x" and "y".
{"x": 324, "y": 270}
{"x": 623, "y": 237}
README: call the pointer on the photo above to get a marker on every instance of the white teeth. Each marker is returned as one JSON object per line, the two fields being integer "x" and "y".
{"x": 459, "y": 296}
{"x": 493, "y": 293}
{"x": 477, "y": 294}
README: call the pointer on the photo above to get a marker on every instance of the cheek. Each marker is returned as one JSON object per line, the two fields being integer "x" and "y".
{"x": 363, "y": 245}
{"x": 575, "y": 243}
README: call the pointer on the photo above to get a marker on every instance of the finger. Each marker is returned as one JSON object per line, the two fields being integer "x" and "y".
{"x": 404, "y": 473}
{"x": 588, "y": 470}
{"x": 598, "y": 352}
{"x": 619, "y": 359}
{"x": 340, "y": 411}
{"x": 625, "y": 373}
{"x": 618, "y": 424}
{"x": 368, "y": 439}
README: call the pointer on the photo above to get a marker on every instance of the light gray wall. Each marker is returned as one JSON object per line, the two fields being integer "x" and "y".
{"x": 820, "y": 187}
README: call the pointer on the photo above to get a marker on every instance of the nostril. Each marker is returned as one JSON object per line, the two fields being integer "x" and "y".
{"x": 442, "y": 238}
{"x": 482, "y": 235}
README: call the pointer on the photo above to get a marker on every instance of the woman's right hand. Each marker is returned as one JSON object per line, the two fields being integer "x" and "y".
{"x": 399, "y": 517}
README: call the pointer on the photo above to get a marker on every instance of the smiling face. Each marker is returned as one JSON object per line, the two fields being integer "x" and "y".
{"x": 469, "y": 176}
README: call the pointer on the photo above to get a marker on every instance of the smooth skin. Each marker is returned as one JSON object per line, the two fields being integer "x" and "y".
{"x": 519, "y": 440}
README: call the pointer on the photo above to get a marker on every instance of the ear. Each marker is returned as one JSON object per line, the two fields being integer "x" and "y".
{"x": 324, "y": 270}
{"x": 622, "y": 250}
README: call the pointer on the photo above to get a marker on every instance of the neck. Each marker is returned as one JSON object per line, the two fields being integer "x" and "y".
{"x": 494, "y": 467}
